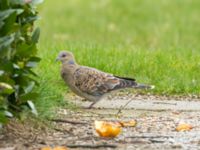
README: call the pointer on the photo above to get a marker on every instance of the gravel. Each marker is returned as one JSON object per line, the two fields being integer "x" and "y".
{"x": 155, "y": 128}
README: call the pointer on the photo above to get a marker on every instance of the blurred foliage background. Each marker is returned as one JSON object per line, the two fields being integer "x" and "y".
{"x": 156, "y": 42}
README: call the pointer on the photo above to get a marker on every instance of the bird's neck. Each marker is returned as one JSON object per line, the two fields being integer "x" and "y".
{"x": 69, "y": 62}
{"x": 70, "y": 65}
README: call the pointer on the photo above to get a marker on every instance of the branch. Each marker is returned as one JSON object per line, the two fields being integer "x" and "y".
{"x": 151, "y": 137}
{"x": 92, "y": 146}
{"x": 68, "y": 121}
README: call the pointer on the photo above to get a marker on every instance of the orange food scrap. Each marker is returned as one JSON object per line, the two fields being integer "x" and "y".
{"x": 46, "y": 148}
{"x": 131, "y": 123}
{"x": 55, "y": 148}
{"x": 184, "y": 127}
{"x": 60, "y": 148}
{"x": 107, "y": 129}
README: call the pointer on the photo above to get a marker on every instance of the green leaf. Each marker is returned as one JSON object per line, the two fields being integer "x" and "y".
{"x": 7, "y": 80}
{"x": 36, "y": 35}
{"x": 17, "y": 2}
{"x": 1, "y": 24}
{"x": 3, "y": 103}
{"x": 5, "y": 88}
{"x": 8, "y": 114}
{"x": 32, "y": 106}
{"x": 36, "y": 59}
{"x": 25, "y": 50}
{"x": 16, "y": 66}
{"x": 5, "y": 14}
{"x": 6, "y": 65}
{"x": 19, "y": 11}
{"x": 33, "y": 61}
{"x": 1, "y": 72}
{"x": 3, "y": 118}
{"x": 31, "y": 72}
{"x": 35, "y": 2}
{"x": 29, "y": 88}
{"x": 5, "y": 42}
{"x": 9, "y": 24}
{"x": 4, "y": 4}
{"x": 31, "y": 64}
{"x": 30, "y": 19}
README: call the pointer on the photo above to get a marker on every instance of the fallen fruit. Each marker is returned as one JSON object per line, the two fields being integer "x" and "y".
{"x": 131, "y": 123}
{"x": 46, "y": 148}
{"x": 60, "y": 148}
{"x": 55, "y": 148}
{"x": 107, "y": 129}
{"x": 184, "y": 127}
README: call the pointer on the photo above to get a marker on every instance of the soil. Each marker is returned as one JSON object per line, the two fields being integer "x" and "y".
{"x": 157, "y": 119}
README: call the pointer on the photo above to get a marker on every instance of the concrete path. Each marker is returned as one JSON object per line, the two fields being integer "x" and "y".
{"x": 154, "y": 105}
{"x": 157, "y": 121}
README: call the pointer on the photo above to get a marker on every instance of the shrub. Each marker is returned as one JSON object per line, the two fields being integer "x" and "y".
{"x": 18, "y": 49}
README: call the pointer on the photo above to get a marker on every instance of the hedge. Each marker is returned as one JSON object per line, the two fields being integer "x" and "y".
{"x": 18, "y": 49}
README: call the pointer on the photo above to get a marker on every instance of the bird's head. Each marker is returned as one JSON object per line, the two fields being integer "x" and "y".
{"x": 66, "y": 57}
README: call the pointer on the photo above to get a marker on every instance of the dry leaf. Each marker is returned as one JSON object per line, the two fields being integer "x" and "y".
{"x": 131, "y": 123}
{"x": 107, "y": 129}
{"x": 184, "y": 127}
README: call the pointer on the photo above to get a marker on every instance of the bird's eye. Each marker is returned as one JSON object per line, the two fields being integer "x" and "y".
{"x": 64, "y": 55}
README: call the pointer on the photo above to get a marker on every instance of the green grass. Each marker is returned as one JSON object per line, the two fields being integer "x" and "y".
{"x": 156, "y": 42}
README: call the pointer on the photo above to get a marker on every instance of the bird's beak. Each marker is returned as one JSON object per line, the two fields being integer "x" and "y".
{"x": 57, "y": 59}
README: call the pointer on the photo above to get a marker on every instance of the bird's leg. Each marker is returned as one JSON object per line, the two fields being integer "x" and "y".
{"x": 84, "y": 99}
{"x": 93, "y": 103}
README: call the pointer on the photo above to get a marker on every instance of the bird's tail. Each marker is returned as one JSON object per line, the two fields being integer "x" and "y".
{"x": 143, "y": 86}
{"x": 131, "y": 83}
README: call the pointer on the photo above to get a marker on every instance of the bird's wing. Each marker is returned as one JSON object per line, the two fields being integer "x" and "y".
{"x": 95, "y": 82}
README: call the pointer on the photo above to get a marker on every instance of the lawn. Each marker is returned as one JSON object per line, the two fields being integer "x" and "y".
{"x": 156, "y": 42}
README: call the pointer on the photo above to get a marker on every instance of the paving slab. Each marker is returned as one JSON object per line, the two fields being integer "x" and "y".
{"x": 154, "y": 105}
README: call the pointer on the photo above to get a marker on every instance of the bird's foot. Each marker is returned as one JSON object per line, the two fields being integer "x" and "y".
{"x": 91, "y": 105}
{"x": 86, "y": 107}
{"x": 84, "y": 99}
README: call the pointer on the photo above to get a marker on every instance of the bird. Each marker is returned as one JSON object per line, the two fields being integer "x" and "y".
{"x": 91, "y": 83}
